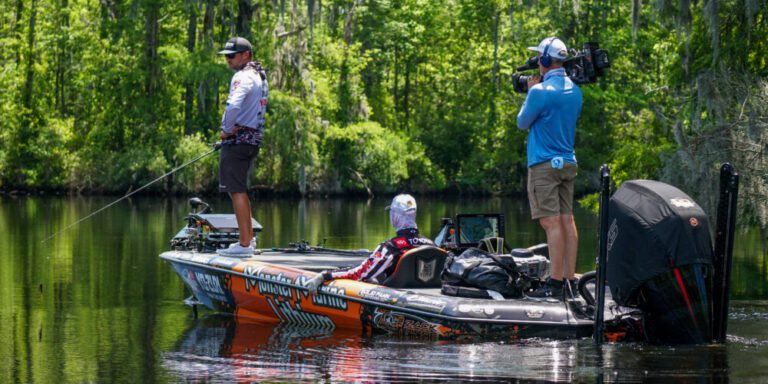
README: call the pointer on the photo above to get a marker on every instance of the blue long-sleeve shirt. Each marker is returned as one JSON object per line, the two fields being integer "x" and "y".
{"x": 550, "y": 112}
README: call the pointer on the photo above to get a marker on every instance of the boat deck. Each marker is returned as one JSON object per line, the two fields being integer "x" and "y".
{"x": 312, "y": 261}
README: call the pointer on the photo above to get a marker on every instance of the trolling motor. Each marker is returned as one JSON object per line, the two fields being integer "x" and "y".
{"x": 207, "y": 231}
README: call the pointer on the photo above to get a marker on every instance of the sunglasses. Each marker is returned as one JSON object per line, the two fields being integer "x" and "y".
{"x": 231, "y": 55}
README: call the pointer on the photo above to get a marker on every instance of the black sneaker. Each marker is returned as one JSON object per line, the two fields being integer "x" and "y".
{"x": 552, "y": 289}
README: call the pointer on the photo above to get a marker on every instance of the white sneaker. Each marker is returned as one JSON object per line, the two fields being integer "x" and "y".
{"x": 253, "y": 244}
{"x": 236, "y": 250}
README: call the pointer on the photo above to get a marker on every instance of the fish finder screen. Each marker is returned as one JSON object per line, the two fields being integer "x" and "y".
{"x": 473, "y": 228}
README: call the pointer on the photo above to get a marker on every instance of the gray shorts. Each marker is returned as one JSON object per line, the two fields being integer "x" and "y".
{"x": 235, "y": 162}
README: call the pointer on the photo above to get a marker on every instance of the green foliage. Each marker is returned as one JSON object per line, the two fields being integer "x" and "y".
{"x": 374, "y": 95}
{"x": 366, "y": 156}
{"x": 289, "y": 157}
{"x": 200, "y": 176}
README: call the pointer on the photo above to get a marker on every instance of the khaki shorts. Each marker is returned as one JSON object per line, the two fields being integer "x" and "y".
{"x": 550, "y": 191}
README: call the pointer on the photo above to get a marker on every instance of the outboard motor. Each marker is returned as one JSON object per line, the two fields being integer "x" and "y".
{"x": 660, "y": 260}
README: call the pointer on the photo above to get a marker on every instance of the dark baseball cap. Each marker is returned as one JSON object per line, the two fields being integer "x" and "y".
{"x": 235, "y": 45}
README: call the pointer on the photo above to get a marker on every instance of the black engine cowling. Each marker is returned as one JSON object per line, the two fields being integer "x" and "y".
{"x": 660, "y": 260}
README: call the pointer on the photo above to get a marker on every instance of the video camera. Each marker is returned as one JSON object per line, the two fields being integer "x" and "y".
{"x": 583, "y": 67}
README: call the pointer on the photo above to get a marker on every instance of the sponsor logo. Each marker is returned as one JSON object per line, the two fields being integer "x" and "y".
{"x": 328, "y": 301}
{"x": 421, "y": 241}
{"x": 267, "y": 283}
{"x": 209, "y": 283}
{"x": 468, "y": 308}
{"x": 424, "y": 302}
{"x": 401, "y": 242}
{"x": 682, "y": 202}
{"x": 426, "y": 270}
{"x": 377, "y": 294}
{"x": 534, "y": 313}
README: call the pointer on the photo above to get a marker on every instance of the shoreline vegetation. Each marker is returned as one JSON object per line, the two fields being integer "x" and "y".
{"x": 375, "y": 97}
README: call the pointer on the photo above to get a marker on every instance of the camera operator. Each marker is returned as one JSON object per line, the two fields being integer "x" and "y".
{"x": 549, "y": 112}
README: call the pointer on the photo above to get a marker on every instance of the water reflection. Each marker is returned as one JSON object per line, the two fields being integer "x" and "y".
{"x": 96, "y": 304}
{"x": 219, "y": 348}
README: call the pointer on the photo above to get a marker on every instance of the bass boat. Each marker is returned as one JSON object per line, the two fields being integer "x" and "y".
{"x": 659, "y": 278}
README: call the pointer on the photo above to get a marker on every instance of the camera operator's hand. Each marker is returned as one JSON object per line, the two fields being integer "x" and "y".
{"x": 533, "y": 80}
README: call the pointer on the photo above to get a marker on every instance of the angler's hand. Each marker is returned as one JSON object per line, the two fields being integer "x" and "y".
{"x": 314, "y": 283}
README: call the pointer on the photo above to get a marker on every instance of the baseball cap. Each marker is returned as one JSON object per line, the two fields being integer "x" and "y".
{"x": 235, "y": 45}
{"x": 554, "y": 46}
{"x": 403, "y": 203}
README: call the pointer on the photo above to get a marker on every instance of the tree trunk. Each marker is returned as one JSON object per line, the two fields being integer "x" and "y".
{"x": 17, "y": 28}
{"x": 189, "y": 92}
{"x": 494, "y": 70}
{"x": 62, "y": 58}
{"x": 29, "y": 83}
{"x": 244, "y": 14}
{"x": 406, "y": 92}
{"x": 151, "y": 43}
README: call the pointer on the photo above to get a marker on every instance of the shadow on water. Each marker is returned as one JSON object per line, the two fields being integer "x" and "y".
{"x": 218, "y": 348}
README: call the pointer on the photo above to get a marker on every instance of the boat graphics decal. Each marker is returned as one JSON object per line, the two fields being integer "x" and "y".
{"x": 289, "y": 314}
{"x": 428, "y": 303}
{"x": 534, "y": 313}
{"x": 329, "y": 301}
{"x": 474, "y": 308}
{"x": 211, "y": 289}
{"x": 384, "y": 295}
{"x": 209, "y": 283}
{"x": 426, "y": 270}
{"x": 269, "y": 284}
{"x": 405, "y": 324}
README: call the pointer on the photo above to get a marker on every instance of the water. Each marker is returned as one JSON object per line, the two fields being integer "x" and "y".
{"x": 96, "y": 304}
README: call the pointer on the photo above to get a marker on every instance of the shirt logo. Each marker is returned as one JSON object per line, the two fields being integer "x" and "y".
{"x": 401, "y": 242}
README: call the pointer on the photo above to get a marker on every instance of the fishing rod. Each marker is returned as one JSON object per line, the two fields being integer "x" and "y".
{"x": 216, "y": 147}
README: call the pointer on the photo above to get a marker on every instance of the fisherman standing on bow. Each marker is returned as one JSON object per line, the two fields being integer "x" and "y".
{"x": 383, "y": 261}
{"x": 549, "y": 113}
{"x": 242, "y": 127}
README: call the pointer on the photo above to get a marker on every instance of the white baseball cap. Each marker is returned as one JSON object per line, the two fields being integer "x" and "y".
{"x": 554, "y": 46}
{"x": 403, "y": 203}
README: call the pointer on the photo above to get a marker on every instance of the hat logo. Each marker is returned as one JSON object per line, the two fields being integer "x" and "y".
{"x": 229, "y": 45}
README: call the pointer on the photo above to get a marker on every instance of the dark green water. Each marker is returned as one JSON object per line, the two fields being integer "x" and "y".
{"x": 96, "y": 304}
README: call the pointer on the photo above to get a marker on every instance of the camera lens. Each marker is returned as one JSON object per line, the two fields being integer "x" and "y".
{"x": 520, "y": 83}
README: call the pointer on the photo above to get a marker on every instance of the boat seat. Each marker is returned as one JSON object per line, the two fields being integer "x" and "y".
{"x": 418, "y": 268}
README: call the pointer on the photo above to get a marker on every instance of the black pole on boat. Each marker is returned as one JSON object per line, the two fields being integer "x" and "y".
{"x": 216, "y": 147}
{"x": 602, "y": 255}
{"x": 723, "y": 259}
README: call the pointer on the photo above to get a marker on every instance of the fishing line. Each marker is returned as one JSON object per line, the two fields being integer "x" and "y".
{"x": 216, "y": 147}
